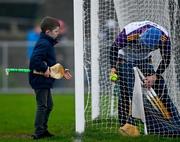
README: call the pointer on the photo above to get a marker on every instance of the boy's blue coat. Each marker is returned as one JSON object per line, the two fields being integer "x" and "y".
{"x": 43, "y": 56}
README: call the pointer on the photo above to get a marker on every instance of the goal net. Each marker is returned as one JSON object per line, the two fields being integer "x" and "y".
{"x": 108, "y": 106}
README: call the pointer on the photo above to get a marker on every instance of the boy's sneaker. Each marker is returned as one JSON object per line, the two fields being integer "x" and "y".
{"x": 48, "y": 134}
{"x": 36, "y": 137}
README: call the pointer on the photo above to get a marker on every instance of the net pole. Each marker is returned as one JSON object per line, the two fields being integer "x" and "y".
{"x": 112, "y": 99}
{"x": 79, "y": 71}
{"x": 95, "y": 58}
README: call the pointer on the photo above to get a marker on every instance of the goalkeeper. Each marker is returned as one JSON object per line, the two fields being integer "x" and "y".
{"x": 133, "y": 48}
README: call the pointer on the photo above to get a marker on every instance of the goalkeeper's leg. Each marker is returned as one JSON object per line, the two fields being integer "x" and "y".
{"x": 126, "y": 83}
{"x": 127, "y": 123}
{"x": 123, "y": 106}
{"x": 127, "y": 80}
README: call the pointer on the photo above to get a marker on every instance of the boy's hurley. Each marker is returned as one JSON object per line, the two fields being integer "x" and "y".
{"x": 56, "y": 71}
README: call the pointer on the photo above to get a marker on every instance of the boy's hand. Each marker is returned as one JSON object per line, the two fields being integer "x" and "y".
{"x": 67, "y": 74}
{"x": 47, "y": 73}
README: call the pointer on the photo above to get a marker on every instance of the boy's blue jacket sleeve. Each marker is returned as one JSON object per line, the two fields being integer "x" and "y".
{"x": 38, "y": 59}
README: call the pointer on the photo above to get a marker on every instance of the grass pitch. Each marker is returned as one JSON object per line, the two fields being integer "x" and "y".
{"x": 17, "y": 114}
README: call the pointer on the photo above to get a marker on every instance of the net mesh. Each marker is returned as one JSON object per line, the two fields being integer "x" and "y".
{"x": 113, "y": 15}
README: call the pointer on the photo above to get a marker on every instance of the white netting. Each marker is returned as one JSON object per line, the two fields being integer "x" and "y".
{"x": 113, "y": 15}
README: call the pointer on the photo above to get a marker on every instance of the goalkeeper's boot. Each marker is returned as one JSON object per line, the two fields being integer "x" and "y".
{"x": 129, "y": 130}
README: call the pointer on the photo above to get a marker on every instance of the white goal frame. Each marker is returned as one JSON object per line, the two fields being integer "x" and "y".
{"x": 79, "y": 70}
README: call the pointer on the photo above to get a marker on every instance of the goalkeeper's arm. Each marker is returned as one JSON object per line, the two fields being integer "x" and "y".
{"x": 120, "y": 42}
{"x": 165, "y": 50}
{"x": 113, "y": 56}
{"x": 113, "y": 61}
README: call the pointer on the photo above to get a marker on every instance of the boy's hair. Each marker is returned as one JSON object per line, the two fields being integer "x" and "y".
{"x": 49, "y": 23}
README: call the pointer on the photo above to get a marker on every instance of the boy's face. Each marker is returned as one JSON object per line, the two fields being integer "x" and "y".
{"x": 54, "y": 33}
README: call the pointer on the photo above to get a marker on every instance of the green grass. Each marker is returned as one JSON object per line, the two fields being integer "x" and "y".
{"x": 17, "y": 114}
{"x": 17, "y": 117}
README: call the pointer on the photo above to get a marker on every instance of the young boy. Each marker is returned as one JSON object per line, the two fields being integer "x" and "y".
{"x": 42, "y": 58}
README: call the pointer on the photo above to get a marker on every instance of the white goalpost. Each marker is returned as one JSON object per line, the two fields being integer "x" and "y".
{"x": 96, "y": 25}
{"x": 79, "y": 70}
{"x": 94, "y": 59}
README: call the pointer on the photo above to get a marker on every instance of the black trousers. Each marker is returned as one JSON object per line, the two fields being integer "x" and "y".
{"x": 44, "y": 106}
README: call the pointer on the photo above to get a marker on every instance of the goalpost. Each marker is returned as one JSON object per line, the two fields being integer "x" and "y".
{"x": 96, "y": 24}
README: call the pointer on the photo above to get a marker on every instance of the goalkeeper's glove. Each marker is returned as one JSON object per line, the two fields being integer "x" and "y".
{"x": 113, "y": 77}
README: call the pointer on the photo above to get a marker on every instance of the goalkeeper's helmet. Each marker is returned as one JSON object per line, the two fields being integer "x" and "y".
{"x": 151, "y": 38}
